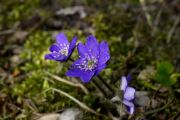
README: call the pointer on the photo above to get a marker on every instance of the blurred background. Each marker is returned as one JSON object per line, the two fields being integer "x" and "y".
{"x": 140, "y": 33}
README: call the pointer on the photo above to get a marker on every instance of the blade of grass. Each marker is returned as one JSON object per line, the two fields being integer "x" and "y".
{"x": 82, "y": 105}
{"x": 84, "y": 89}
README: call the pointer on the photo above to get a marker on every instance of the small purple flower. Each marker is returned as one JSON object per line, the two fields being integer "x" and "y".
{"x": 62, "y": 49}
{"x": 92, "y": 59}
{"x": 129, "y": 94}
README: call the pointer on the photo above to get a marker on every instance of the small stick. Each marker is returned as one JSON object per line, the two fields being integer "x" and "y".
{"x": 156, "y": 22}
{"x": 82, "y": 105}
{"x": 6, "y": 32}
{"x": 85, "y": 90}
{"x": 158, "y": 109}
{"x": 172, "y": 29}
{"x": 148, "y": 17}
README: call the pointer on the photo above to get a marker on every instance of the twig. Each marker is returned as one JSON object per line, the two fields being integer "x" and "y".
{"x": 156, "y": 22}
{"x": 148, "y": 17}
{"x": 85, "y": 90}
{"x": 158, "y": 109}
{"x": 172, "y": 29}
{"x": 6, "y": 32}
{"x": 82, "y": 105}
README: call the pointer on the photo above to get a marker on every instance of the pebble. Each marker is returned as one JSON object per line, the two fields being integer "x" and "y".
{"x": 142, "y": 99}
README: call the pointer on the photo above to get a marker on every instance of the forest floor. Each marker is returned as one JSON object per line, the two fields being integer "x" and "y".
{"x": 141, "y": 35}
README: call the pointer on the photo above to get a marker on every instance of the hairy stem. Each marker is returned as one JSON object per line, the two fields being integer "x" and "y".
{"x": 106, "y": 84}
{"x": 99, "y": 87}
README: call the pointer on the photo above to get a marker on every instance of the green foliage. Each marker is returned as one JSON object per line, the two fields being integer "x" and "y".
{"x": 65, "y": 3}
{"x": 165, "y": 67}
{"x": 164, "y": 72}
{"x": 121, "y": 23}
{"x": 174, "y": 77}
{"x": 36, "y": 81}
{"x": 89, "y": 100}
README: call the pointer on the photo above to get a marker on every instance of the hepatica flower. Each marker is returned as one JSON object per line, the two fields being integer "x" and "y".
{"x": 92, "y": 59}
{"x": 129, "y": 94}
{"x": 62, "y": 49}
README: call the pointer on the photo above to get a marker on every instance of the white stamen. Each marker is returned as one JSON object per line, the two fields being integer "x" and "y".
{"x": 64, "y": 49}
{"x": 88, "y": 63}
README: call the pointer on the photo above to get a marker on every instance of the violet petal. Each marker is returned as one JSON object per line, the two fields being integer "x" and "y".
{"x": 92, "y": 45}
{"x": 72, "y": 45}
{"x": 129, "y": 93}
{"x": 99, "y": 69}
{"x": 124, "y": 83}
{"x": 104, "y": 53}
{"x": 87, "y": 75}
{"x": 82, "y": 50}
{"x": 61, "y": 39}
{"x": 130, "y": 106}
{"x": 54, "y": 48}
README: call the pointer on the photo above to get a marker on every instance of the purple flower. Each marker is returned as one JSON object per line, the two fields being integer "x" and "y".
{"x": 62, "y": 49}
{"x": 129, "y": 94}
{"x": 92, "y": 59}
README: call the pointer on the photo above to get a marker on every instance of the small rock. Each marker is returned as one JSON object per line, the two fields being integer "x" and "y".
{"x": 15, "y": 59}
{"x": 147, "y": 73}
{"x": 177, "y": 90}
{"x": 73, "y": 10}
{"x": 154, "y": 103}
{"x": 52, "y": 116}
{"x": 141, "y": 99}
{"x": 178, "y": 118}
{"x": 163, "y": 90}
{"x": 71, "y": 114}
{"x": 20, "y": 35}
{"x": 141, "y": 93}
{"x": 67, "y": 114}
{"x": 17, "y": 50}
{"x": 116, "y": 99}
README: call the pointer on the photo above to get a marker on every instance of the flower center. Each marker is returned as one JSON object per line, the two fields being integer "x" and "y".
{"x": 64, "y": 49}
{"x": 88, "y": 63}
{"x": 91, "y": 64}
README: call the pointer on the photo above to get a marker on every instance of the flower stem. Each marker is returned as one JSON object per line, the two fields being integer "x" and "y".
{"x": 106, "y": 84}
{"x": 70, "y": 59}
{"x": 99, "y": 87}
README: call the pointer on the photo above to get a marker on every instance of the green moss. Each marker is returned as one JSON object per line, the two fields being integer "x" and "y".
{"x": 14, "y": 11}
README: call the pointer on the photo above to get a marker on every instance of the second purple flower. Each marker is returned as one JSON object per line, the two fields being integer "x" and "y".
{"x": 129, "y": 94}
{"x": 92, "y": 59}
{"x": 62, "y": 49}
